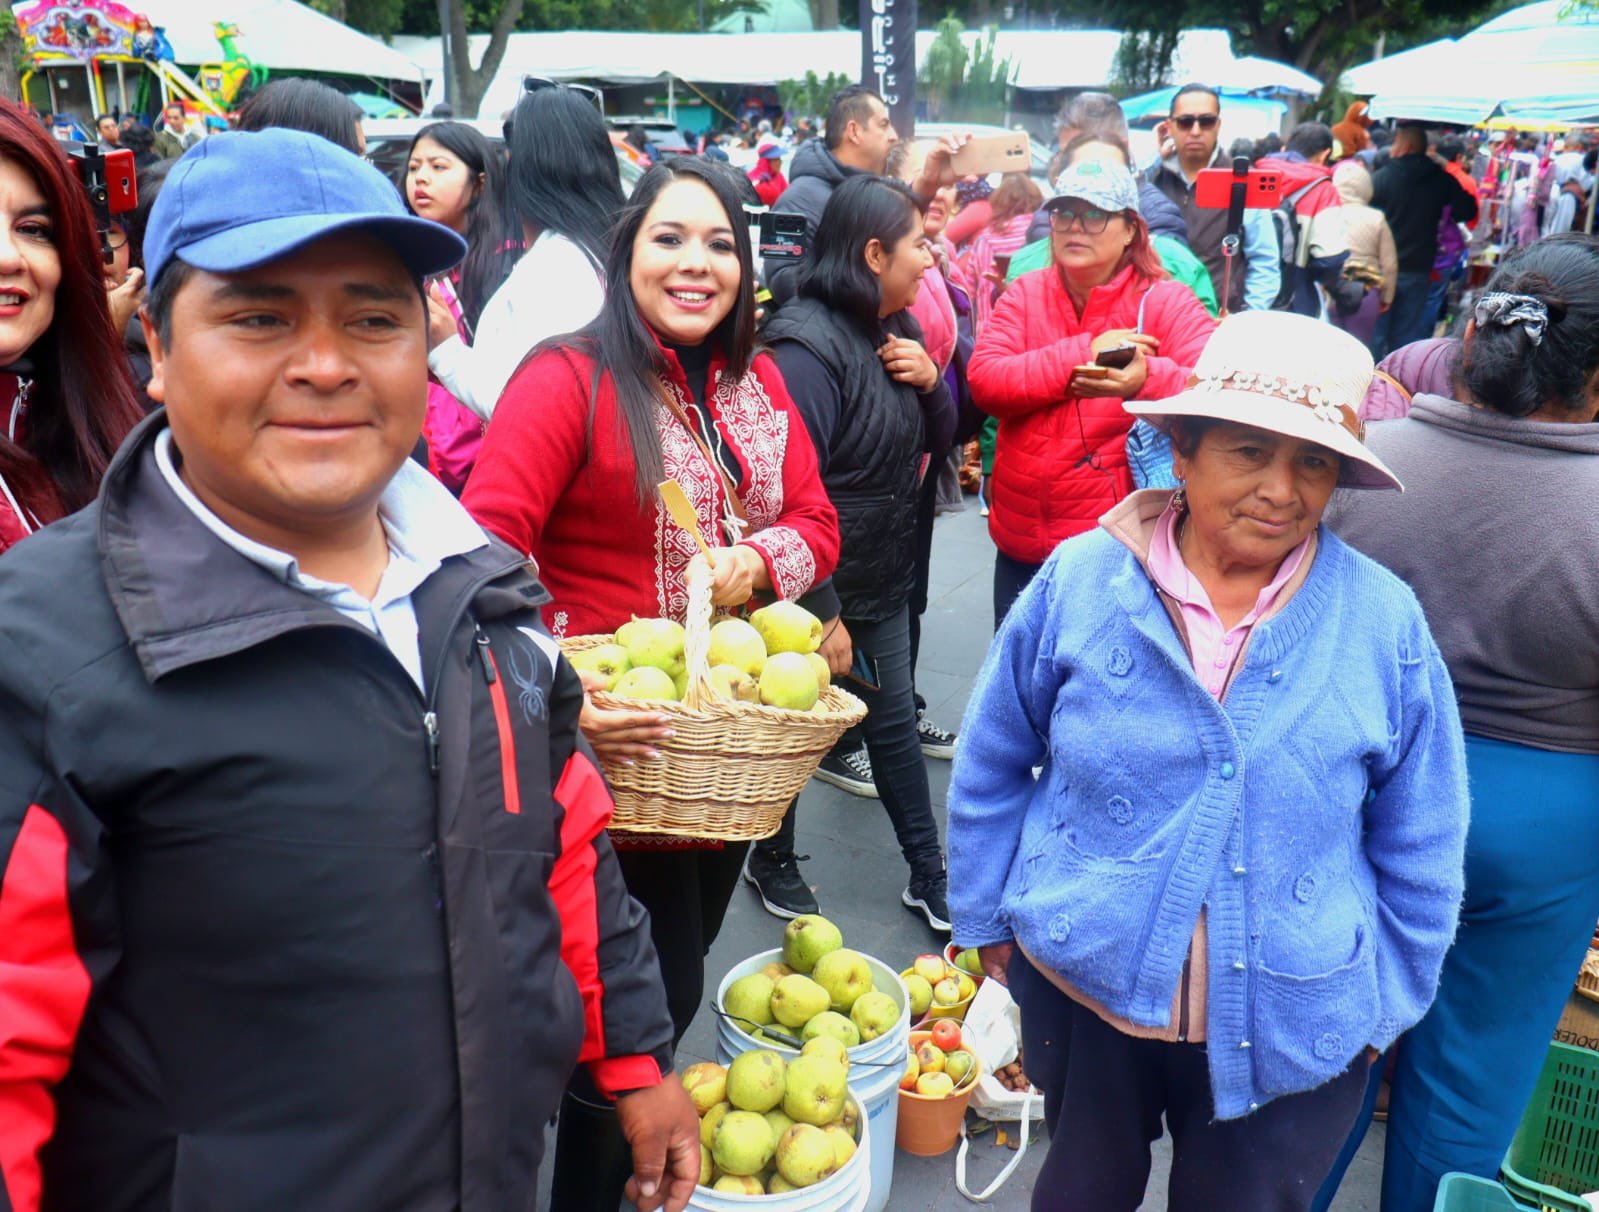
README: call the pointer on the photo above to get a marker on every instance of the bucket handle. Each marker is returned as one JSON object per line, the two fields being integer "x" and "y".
{"x": 987, "y": 1193}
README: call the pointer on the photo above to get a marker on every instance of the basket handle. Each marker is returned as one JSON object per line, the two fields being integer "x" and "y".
{"x": 699, "y": 691}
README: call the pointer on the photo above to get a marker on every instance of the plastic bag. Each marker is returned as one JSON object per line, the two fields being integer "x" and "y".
{"x": 993, "y": 1030}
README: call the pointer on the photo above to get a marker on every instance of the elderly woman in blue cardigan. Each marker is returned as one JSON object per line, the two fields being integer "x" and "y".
{"x": 1209, "y": 811}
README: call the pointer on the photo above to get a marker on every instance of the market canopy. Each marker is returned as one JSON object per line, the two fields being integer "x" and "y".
{"x": 280, "y": 35}
{"x": 1538, "y": 64}
{"x": 1044, "y": 59}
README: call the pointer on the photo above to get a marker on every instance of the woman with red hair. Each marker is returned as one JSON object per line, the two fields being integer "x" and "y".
{"x": 62, "y": 366}
{"x": 1061, "y": 457}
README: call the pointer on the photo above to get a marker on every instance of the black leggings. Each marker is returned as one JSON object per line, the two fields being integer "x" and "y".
{"x": 686, "y": 892}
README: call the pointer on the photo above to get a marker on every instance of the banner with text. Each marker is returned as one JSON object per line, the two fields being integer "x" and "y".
{"x": 888, "y": 58}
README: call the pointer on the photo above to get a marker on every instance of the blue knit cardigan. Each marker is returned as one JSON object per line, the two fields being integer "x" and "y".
{"x": 1318, "y": 812}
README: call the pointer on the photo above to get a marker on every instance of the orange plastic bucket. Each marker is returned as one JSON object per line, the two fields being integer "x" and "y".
{"x": 929, "y": 1126}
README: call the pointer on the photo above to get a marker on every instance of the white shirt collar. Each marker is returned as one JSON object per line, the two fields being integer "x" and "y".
{"x": 424, "y": 524}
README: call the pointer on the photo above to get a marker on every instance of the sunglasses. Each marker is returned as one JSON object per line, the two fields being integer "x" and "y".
{"x": 1189, "y": 121}
{"x": 537, "y": 84}
{"x": 1092, "y": 220}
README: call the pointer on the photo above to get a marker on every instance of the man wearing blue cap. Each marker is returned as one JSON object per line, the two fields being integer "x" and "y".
{"x": 306, "y": 900}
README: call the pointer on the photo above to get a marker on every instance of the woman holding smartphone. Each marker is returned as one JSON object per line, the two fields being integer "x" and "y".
{"x": 1064, "y": 347}
{"x": 875, "y": 405}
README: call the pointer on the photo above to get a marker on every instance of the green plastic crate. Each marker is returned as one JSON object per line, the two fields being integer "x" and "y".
{"x": 1468, "y": 1193}
{"x": 1555, "y": 1154}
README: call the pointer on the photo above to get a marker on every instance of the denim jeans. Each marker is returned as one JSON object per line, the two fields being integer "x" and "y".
{"x": 1010, "y": 578}
{"x": 898, "y": 768}
{"x": 1406, "y": 321}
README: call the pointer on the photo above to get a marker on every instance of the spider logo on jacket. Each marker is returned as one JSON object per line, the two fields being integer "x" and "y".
{"x": 529, "y": 694}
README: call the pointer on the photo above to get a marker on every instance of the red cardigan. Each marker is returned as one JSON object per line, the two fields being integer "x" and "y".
{"x": 1061, "y": 462}
{"x": 554, "y": 485}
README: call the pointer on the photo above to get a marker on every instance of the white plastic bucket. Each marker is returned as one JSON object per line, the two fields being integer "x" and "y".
{"x": 847, "y": 1190}
{"x": 875, "y": 1066}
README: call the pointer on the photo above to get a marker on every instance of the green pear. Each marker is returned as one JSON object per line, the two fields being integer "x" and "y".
{"x": 787, "y": 627}
{"x": 738, "y": 1184}
{"x": 778, "y": 1122}
{"x": 805, "y": 1155}
{"x": 875, "y": 1014}
{"x": 776, "y": 971}
{"x": 707, "y": 1167}
{"x": 921, "y": 995}
{"x": 750, "y": 998}
{"x": 654, "y": 642}
{"x": 735, "y": 685}
{"x": 798, "y": 999}
{"x": 610, "y": 661}
{"x": 806, "y": 939}
{"x": 824, "y": 675}
{"x": 755, "y": 1081}
{"x": 706, "y": 1084}
{"x": 788, "y": 682}
{"x": 831, "y": 1025}
{"x": 710, "y": 1119}
{"x": 844, "y": 1145}
{"x": 815, "y": 1092}
{"x": 734, "y": 642}
{"x": 778, "y": 1185}
{"x": 647, "y": 682}
{"x": 845, "y": 975}
{"x": 742, "y": 1143}
{"x": 828, "y": 1045}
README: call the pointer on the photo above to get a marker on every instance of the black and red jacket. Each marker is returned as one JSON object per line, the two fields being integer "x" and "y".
{"x": 278, "y": 930}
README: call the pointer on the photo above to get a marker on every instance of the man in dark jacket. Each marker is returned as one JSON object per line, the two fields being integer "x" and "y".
{"x": 305, "y": 895}
{"x": 1412, "y": 191}
{"x": 859, "y": 137}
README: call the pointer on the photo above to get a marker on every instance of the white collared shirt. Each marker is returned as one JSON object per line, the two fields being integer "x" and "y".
{"x": 424, "y": 526}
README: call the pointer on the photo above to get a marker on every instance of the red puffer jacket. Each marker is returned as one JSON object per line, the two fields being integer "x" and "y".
{"x": 1061, "y": 462}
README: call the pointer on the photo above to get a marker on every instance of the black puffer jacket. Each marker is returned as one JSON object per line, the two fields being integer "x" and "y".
{"x": 291, "y": 933}
{"x": 812, "y": 178}
{"x": 870, "y": 435}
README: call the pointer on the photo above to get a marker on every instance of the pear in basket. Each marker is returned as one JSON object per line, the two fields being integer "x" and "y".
{"x": 734, "y": 684}
{"x": 647, "y": 682}
{"x": 788, "y": 682}
{"x": 610, "y": 661}
{"x": 654, "y": 642}
{"x": 787, "y": 627}
{"x": 824, "y": 675}
{"x": 734, "y": 642}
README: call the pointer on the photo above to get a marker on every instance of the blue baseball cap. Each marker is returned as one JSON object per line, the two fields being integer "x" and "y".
{"x": 241, "y": 199}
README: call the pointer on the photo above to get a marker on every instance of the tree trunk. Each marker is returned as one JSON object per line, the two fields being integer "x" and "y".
{"x": 827, "y": 14}
{"x": 470, "y": 83}
{"x": 11, "y": 56}
{"x": 337, "y": 9}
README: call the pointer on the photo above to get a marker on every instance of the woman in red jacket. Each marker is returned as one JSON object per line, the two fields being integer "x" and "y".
{"x": 1061, "y": 460}
{"x": 63, "y": 373}
{"x": 666, "y": 382}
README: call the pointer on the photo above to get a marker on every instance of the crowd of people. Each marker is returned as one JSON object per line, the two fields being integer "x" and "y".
{"x": 1275, "y": 784}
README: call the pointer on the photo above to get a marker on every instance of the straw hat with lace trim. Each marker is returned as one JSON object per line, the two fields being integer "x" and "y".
{"x": 1286, "y": 374}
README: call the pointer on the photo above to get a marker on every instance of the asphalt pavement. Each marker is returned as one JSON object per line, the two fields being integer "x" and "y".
{"x": 858, "y": 875}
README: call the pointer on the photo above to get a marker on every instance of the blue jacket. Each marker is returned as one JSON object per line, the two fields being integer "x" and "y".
{"x": 1318, "y": 812}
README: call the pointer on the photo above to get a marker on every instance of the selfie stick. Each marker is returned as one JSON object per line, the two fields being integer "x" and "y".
{"x": 1231, "y": 242}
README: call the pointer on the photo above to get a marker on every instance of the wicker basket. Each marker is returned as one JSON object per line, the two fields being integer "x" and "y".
{"x": 730, "y": 770}
{"x": 1588, "y": 976}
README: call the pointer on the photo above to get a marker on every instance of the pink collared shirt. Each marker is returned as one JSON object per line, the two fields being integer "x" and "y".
{"x": 1213, "y": 648}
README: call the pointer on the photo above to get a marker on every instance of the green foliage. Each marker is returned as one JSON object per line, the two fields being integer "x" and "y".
{"x": 380, "y": 18}
{"x": 1143, "y": 59}
{"x": 961, "y": 84}
{"x": 660, "y": 16}
{"x": 810, "y": 96}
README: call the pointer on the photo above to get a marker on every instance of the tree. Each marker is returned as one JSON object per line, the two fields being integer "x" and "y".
{"x": 380, "y": 18}
{"x": 808, "y": 98}
{"x": 960, "y": 83}
{"x": 13, "y": 58}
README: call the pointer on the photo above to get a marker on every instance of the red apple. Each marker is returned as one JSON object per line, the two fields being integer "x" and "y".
{"x": 947, "y": 1034}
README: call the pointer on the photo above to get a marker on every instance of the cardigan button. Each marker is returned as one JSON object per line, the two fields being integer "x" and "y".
{"x": 1244, "y": 1044}
{"x": 1227, "y": 770}
{"x": 1276, "y": 675}
{"x": 1239, "y": 871}
{"x": 1238, "y": 965}
{"x": 1254, "y": 1106}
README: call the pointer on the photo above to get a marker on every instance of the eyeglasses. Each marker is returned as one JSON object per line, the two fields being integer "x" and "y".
{"x": 1092, "y": 220}
{"x": 1189, "y": 121}
{"x": 537, "y": 84}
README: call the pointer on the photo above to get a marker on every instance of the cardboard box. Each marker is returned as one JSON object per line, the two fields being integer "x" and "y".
{"x": 1579, "y": 1023}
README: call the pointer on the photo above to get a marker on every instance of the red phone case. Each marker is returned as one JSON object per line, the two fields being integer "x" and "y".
{"x": 120, "y": 177}
{"x": 1213, "y": 189}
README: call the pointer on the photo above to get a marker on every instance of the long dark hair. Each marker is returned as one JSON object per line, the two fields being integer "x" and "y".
{"x": 564, "y": 176}
{"x": 863, "y": 209}
{"x": 83, "y": 403}
{"x": 493, "y": 241}
{"x": 1503, "y": 368}
{"x": 624, "y": 347}
{"x": 309, "y": 105}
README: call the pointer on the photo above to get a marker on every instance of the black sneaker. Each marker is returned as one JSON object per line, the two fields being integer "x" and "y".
{"x": 929, "y": 896}
{"x": 936, "y": 742}
{"x": 851, "y": 772}
{"x": 782, "y": 889}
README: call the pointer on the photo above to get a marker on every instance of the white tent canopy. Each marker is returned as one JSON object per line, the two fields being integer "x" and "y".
{"x": 280, "y": 35}
{"x": 1044, "y": 59}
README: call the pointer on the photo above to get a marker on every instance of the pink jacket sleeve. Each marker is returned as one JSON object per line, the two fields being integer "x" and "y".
{"x": 1177, "y": 317}
{"x": 1009, "y": 374}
